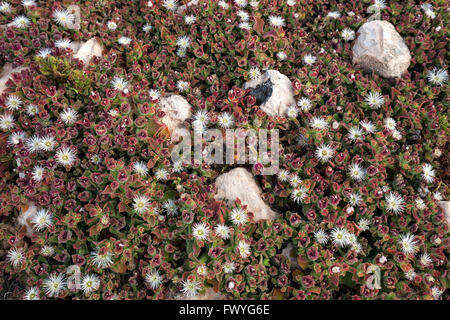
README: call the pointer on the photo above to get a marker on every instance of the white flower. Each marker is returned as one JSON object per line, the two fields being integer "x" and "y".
{"x": 182, "y": 85}
{"x": 69, "y": 116}
{"x": 276, "y": 21}
{"x": 410, "y": 274}
{"x": 348, "y": 34}
{"x": 243, "y": 249}
{"x": 32, "y": 294}
{"x": 321, "y": 236}
{"x": 63, "y": 17}
{"x": 368, "y": 126}
{"x": 32, "y": 110}
{"x": 350, "y": 239}
{"x": 244, "y": 25}
{"x": 225, "y": 120}
{"x": 374, "y": 99}
{"x": 33, "y": 144}
{"x": 283, "y": 175}
{"x": 201, "y": 118}
{"x": 430, "y": 14}
{"x": 154, "y": 94}
{"x": 281, "y": 55}
{"x": 335, "y": 269}
{"x": 90, "y": 283}
{"x": 183, "y": 42}
{"x": 437, "y": 196}
{"x": 408, "y": 244}
{"x": 298, "y": 194}
{"x": 47, "y": 251}
{"x": 254, "y": 73}
{"x": 141, "y": 203}
{"x": 222, "y": 231}
{"x": 390, "y": 123}
{"x": 428, "y": 174}
{"x": 229, "y": 267}
{"x": 420, "y": 204}
{"x": 426, "y": 6}
{"x": 140, "y": 168}
{"x": 334, "y": 14}
{"x": 355, "y": 199}
{"x": 200, "y": 231}
{"x": 65, "y": 156}
{"x": 304, "y": 104}
{"x": 324, "y": 152}
{"x": 190, "y": 288}
{"x": 38, "y": 173}
{"x": 147, "y": 27}
{"x": 318, "y": 123}
{"x": 223, "y": 4}
{"x": 177, "y": 166}
{"x": 6, "y": 122}
{"x": 54, "y": 284}
{"x": 294, "y": 180}
{"x": 241, "y": 3}
{"x": 170, "y": 207}
{"x": 162, "y": 174}
{"x": 119, "y": 84}
{"x": 102, "y": 261}
{"x": 291, "y": 3}
{"x": 364, "y": 224}
{"x": 356, "y": 172}
{"x": 153, "y": 279}
{"x": 5, "y": 7}
{"x": 396, "y": 134}
{"x": 309, "y": 59}
{"x": 63, "y": 44}
{"x": 16, "y": 137}
{"x": 437, "y": 76}
{"x": 190, "y": 19}
{"x": 339, "y": 237}
{"x": 379, "y": 4}
{"x": 425, "y": 259}
{"x": 149, "y": 4}
{"x": 243, "y": 15}
{"x": 355, "y": 133}
{"x": 42, "y": 219}
{"x": 238, "y": 216}
{"x": 21, "y": 22}
{"x": 13, "y": 102}
{"x": 124, "y": 40}
{"x": 111, "y": 25}
{"x": 394, "y": 203}
{"x": 436, "y": 292}
{"x": 44, "y": 52}
{"x": 15, "y": 257}
{"x": 254, "y": 3}
{"x": 292, "y": 112}
{"x": 170, "y": 5}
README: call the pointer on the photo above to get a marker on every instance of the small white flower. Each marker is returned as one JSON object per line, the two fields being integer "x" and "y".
{"x": 389, "y": 123}
{"x": 291, "y": 3}
{"x": 374, "y": 99}
{"x": 437, "y": 196}
{"x": 54, "y": 284}
{"x": 355, "y": 199}
{"x": 42, "y": 219}
{"x": 6, "y": 122}
{"x": 281, "y": 55}
{"x": 436, "y": 292}
{"x": 90, "y": 283}
{"x": 154, "y": 94}
{"x": 244, "y": 25}
{"x": 177, "y": 166}
{"x": 379, "y": 4}
{"x": 298, "y": 194}
{"x": 420, "y": 204}
{"x": 318, "y": 123}
{"x": 408, "y": 244}
{"x": 428, "y": 174}
{"x": 339, "y": 237}
{"x": 153, "y": 279}
{"x": 69, "y": 116}
{"x": 63, "y": 17}
{"x": 181, "y": 52}
{"x": 437, "y": 76}
{"x": 229, "y": 267}
{"x": 111, "y": 25}
{"x": 162, "y": 174}
{"x": 182, "y": 85}
{"x": 170, "y": 207}
{"x": 292, "y": 112}
{"x": 5, "y": 7}
{"x": 65, "y": 156}
{"x": 335, "y": 269}
{"x": 348, "y": 34}
{"x": 190, "y": 288}
{"x": 321, "y": 236}
{"x": 13, "y": 102}
{"x": 364, "y": 224}
{"x": 243, "y": 15}
{"x": 355, "y": 133}
{"x": 141, "y": 203}
{"x": 32, "y": 110}
{"x": 102, "y": 261}
{"x": 241, "y": 3}
{"x": 243, "y": 249}
{"x": 33, "y": 144}
{"x": 200, "y": 231}
{"x": 147, "y": 27}
{"x": 309, "y": 59}
{"x": 367, "y": 126}
{"x": 276, "y": 21}
{"x": 222, "y": 231}
{"x": 356, "y": 172}
{"x": 294, "y": 180}
{"x": 38, "y": 173}
{"x": 21, "y": 22}
{"x": 430, "y": 14}
{"x": 283, "y": 175}
{"x": 16, "y": 137}
{"x": 324, "y": 152}
{"x": 425, "y": 259}
{"x": 170, "y": 5}
{"x": 394, "y": 203}
{"x": 47, "y": 251}
{"x": 254, "y": 3}
{"x": 43, "y": 53}
{"x": 190, "y": 19}
{"x": 63, "y": 44}
{"x": 410, "y": 274}
{"x": 334, "y": 14}
{"x": 183, "y": 42}
{"x": 15, "y": 257}
{"x": 119, "y": 84}
{"x": 47, "y": 143}
{"x": 140, "y": 168}
{"x": 124, "y": 41}
{"x": 254, "y": 73}
{"x": 238, "y": 216}
{"x": 223, "y": 4}
{"x": 396, "y": 134}
{"x": 304, "y": 104}
{"x": 32, "y": 294}
{"x": 225, "y": 120}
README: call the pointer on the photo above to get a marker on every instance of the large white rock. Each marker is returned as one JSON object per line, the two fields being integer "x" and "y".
{"x": 282, "y": 92}
{"x": 445, "y": 205}
{"x": 177, "y": 110}
{"x": 240, "y": 183}
{"x": 87, "y": 50}
{"x": 24, "y": 218}
{"x": 6, "y": 73}
{"x": 380, "y": 48}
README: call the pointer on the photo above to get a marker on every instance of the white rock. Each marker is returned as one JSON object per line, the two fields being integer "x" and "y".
{"x": 282, "y": 93}
{"x": 177, "y": 110}
{"x": 6, "y": 73}
{"x": 380, "y": 48}
{"x": 445, "y": 205}
{"x": 240, "y": 183}
{"x": 88, "y": 50}
{"x": 24, "y": 218}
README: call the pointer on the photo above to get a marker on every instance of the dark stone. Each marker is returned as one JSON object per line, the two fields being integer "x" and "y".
{"x": 262, "y": 92}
